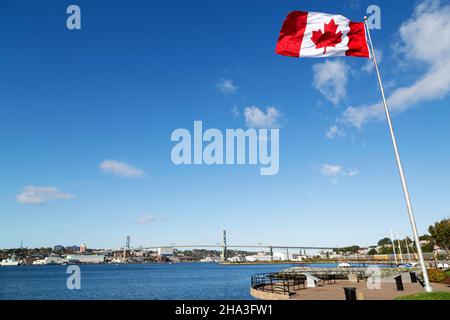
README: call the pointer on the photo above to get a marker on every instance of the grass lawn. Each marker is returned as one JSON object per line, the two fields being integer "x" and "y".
{"x": 447, "y": 273}
{"x": 426, "y": 296}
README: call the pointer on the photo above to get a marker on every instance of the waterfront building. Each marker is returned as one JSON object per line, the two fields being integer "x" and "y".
{"x": 236, "y": 259}
{"x": 258, "y": 257}
{"x": 54, "y": 260}
{"x": 10, "y": 261}
{"x": 165, "y": 251}
{"x": 83, "y": 248}
{"x": 85, "y": 258}
{"x": 73, "y": 248}
{"x": 211, "y": 259}
{"x": 58, "y": 247}
{"x": 280, "y": 256}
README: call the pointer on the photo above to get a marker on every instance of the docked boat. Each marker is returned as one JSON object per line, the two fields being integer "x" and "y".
{"x": 344, "y": 265}
{"x": 39, "y": 262}
{"x": 10, "y": 262}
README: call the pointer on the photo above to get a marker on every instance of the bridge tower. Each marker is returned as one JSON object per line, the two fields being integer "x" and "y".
{"x": 271, "y": 253}
{"x": 224, "y": 243}
{"x": 126, "y": 248}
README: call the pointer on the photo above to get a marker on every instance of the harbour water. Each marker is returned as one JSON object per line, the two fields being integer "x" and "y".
{"x": 208, "y": 281}
{"x": 132, "y": 281}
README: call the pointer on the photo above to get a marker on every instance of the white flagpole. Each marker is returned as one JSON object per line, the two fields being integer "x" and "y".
{"x": 412, "y": 219}
{"x": 393, "y": 247}
{"x": 407, "y": 249}
{"x": 399, "y": 248}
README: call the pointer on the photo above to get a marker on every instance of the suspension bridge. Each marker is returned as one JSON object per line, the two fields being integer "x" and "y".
{"x": 224, "y": 246}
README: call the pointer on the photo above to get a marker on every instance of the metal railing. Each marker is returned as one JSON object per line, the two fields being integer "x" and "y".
{"x": 290, "y": 282}
{"x": 278, "y": 282}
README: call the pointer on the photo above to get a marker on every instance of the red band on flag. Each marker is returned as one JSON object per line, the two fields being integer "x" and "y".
{"x": 291, "y": 34}
{"x": 357, "y": 45}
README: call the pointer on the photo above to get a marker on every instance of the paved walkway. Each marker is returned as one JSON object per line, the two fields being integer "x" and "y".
{"x": 388, "y": 291}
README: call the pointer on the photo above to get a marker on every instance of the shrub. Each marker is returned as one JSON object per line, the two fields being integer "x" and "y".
{"x": 436, "y": 275}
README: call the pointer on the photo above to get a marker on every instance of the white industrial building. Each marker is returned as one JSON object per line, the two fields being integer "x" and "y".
{"x": 165, "y": 251}
{"x": 258, "y": 257}
{"x": 85, "y": 258}
{"x": 54, "y": 260}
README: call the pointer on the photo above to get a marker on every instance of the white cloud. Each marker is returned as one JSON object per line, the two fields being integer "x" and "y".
{"x": 226, "y": 86}
{"x": 40, "y": 195}
{"x": 334, "y": 131}
{"x": 256, "y": 118}
{"x": 334, "y": 171}
{"x": 330, "y": 170}
{"x": 330, "y": 79}
{"x": 149, "y": 218}
{"x": 146, "y": 219}
{"x": 121, "y": 169}
{"x": 353, "y": 172}
{"x": 424, "y": 40}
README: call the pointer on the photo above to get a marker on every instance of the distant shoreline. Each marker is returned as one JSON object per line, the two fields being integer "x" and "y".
{"x": 305, "y": 262}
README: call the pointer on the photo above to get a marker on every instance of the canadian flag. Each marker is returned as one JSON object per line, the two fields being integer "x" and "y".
{"x": 316, "y": 35}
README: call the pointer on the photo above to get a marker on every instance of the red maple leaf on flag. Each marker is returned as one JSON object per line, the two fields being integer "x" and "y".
{"x": 329, "y": 38}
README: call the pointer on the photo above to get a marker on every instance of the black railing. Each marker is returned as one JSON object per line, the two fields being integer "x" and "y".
{"x": 290, "y": 282}
{"x": 280, "y": 283}
{"x": 332, "y": 275}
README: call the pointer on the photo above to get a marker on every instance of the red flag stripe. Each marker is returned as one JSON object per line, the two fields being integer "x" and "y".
{"x": 291, "y": 34}
{"x": 297, "y": 36}
{"x": 357, "y": 45}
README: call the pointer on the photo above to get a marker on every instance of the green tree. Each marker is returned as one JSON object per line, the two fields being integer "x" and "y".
{"x": 426, "y": 237}
{"x": 372, "y": 252}
{"x": 427, "y": 247}
{"x": 441, "y": 234}
{"x": 384, "y": 242}
{"x": 386, "y": 250}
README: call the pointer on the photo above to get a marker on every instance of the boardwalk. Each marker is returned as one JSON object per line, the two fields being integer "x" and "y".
{"x": 335, "y": 291}
{"x": 387, "y": 292}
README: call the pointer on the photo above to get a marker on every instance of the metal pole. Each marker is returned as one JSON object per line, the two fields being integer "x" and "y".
{"x": 415, "y": 254}
{"x": 412, "y": 219}
{"x": 407, "y": 249}
{"x": 393, "y": 247}
{"x": 399, "y": 248}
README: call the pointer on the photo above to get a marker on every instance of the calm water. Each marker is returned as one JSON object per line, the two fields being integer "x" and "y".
{"x": 135, "y": 281}
{"x": 128, "y": 281}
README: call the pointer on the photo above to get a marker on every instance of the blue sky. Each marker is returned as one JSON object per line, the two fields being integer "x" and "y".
{"x": 116, "y": 89}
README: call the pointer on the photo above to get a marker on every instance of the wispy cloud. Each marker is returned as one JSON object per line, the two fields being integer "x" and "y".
{"x": 149, "y": 218}
{"x": 256, "y": 118}
{"x": 334, "y": 132}
{"x": 330, "y": 79}
{"x": 146, "y": 219}
{"x": 330, "y": 170}
{"x": 333, "y": 172}
{"x": 40, "y": 195}
{"x": 424, "y": 39}
{"x": 352, "y": 172}
{"x": 121, "y": 169}
{"x": 226, "y": 86}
